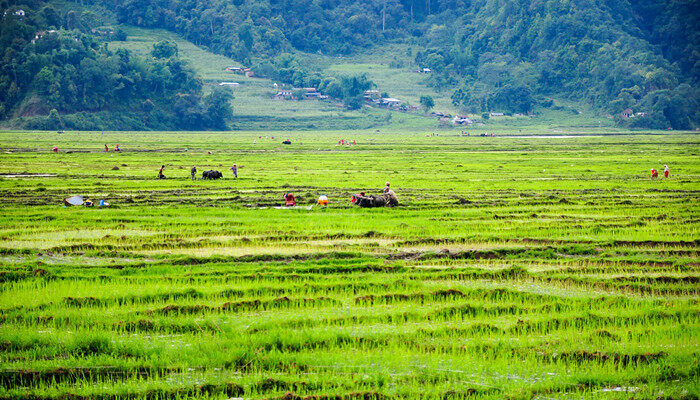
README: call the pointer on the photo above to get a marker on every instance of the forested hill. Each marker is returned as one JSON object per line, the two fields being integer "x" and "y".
{"x": 53, "y": 76}
{"x": 509, "y": 56}
{"x": 497, "y": 55}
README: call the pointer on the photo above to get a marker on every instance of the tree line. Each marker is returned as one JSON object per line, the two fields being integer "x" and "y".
{"x": 52, "y": 78}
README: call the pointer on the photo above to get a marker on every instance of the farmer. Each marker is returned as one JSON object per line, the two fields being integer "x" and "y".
{"x": 390, "y": 197}
{"x": 654, "y": 173}
{"x": 106, "y": 148}
{"x": 323, "y": 200}
{"x": 234, "y": 169}
{"x": 117, "y": 147}
{"x": 193, "y": 171}
{"x": 665, "y": 171}
{"x": 55, "y": 149}
{"x": 289, "y": 200}
{"x": 386, "y": 188}
{"x": 160, "y": 172}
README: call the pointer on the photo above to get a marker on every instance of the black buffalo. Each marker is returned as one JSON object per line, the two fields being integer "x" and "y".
{"x": 211, "y": 174}
{"x": 369, "y": 201}
{"x": 387, "y": 199}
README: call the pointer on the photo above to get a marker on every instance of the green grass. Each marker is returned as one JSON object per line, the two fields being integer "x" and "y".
{"x": 515, "y": 267}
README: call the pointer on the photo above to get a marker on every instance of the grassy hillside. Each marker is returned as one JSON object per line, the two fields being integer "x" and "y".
{"x": 253, "y": 106}
{"x": 401, "y": 82}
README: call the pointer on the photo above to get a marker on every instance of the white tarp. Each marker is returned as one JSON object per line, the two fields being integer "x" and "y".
{"x": 75, "y": 201}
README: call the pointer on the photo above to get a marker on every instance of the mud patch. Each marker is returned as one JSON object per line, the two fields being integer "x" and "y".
{"x": 624, "y": 360}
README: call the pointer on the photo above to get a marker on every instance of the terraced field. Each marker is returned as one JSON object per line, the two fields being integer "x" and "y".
{"x": 515, "y": 267}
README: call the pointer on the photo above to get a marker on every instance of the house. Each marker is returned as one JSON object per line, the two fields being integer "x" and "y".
{"x": 312, "y": 95}
{"x": 390, "y": 102}
{"x": 41, "y": 34}
{"x": 497, "y": 114}
{"x": 627, "y": 113}
{"x": 283, "y": 94}
{"x": 372, "y": 94}
{"x": 19, "y": 13}
{"x": 229, "y": 83}
{"x": 426, "y": 70}
{"x": 640, "y": 114}
{"x": 462, "y": 120}
{"x": 234, "y": 69}
{"x": 102, "y": 32}
{"x": 249, "y": 73}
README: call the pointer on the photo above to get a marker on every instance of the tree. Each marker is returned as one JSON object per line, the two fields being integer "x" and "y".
{"x": 353, "y": 90}
{"x": 218, "y": 107}
{"x": 164, "y": 49}
{"x": 54, "y": 120}
{"x": 427, "y": 102}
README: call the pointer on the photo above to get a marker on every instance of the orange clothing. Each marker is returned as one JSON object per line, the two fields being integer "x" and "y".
{"x": 289, "y": 200}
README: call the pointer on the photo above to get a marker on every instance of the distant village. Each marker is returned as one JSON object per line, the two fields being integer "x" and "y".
{"x": 372, "y": 98}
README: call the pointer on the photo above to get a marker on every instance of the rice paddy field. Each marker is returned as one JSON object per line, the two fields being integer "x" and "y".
{"x": 516, "y": 267}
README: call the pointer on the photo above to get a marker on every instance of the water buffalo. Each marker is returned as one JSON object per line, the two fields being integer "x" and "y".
{"x": 211, "y": 174}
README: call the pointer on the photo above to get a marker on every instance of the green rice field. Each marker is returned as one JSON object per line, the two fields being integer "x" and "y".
{"x": 520, "y": 266}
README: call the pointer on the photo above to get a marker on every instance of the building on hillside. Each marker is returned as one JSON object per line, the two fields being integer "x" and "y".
{"x": 497, "y": 114}
{"x": 371, "y": 94}
{"x": 235, "y": 69}
{"x": 312, "y": 95}
{"x": 17, "y": 13}
{"x": 640, "y": 114}
{"x": 627, "y": 113}
{"x": 40, "y": 34}
{"x": 229, "y": 83}
{"x": 249, "y": 73}
{"x": 462, "y": 120}
{"x": 283, "y": 94}
{"x": 390, "y": 102}
{"x": 426, "y": 70}
{"x": 102, "y": 32}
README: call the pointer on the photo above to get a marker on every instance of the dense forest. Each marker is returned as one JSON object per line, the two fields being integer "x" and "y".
{"x": 53, "y": 78}
{"x": 493, "y": 55}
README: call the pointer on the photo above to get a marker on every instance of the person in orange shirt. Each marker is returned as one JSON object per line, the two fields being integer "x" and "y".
{"x": 289, "y": 200}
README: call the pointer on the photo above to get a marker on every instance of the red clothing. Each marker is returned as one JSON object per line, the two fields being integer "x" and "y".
{"x": 666, "y": 173}
{"x": 289, "y": 200}
{"x": 654, "y": 174}
{"x": 106, "y": 148}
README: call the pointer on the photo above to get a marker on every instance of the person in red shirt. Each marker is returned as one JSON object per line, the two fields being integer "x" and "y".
{"x": 117, "y": 148}
{"x": 55, "y": 149}
{"x": 654, "y": 173}
{"x": 160, "y": 172}
{"x": 106, "y": 148}
{"x": 289, "y": 200}
{"x": 666, "y": 171}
